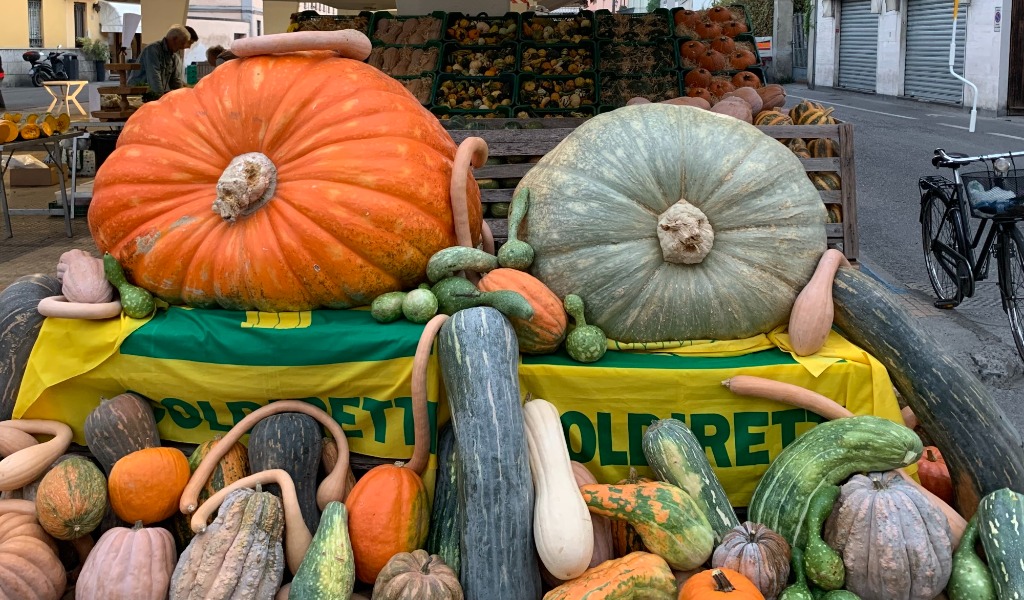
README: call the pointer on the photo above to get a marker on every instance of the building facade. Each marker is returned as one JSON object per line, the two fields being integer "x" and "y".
{"x": 902, "y": 48}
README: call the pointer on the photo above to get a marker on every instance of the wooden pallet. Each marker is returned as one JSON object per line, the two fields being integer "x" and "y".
{"x": 526, "y": 146}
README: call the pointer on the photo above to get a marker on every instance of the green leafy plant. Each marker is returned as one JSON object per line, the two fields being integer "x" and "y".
{"x": 94, "y": 49}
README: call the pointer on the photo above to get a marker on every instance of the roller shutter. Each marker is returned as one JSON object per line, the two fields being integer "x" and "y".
{"x": 929, "y": 29}
{"x": 858, "y": 45}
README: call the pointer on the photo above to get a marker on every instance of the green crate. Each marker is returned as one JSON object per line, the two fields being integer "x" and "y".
{"x": 426, "y": 99}
{"x": 616, "y": 89}
{"x": 454, "y": 53}
{"x": 508, "y": 20}
{"x": 567, "y": 29}
{"x": 443, "y": 113}
{"x": 655, "y": 55}
{"x": 378, "y": 51}
{"x": 312, "y": 21}
{"x": 383, "y": 15}
{"x": 528, "y": 112}
{"x": 630, "y": 27}
{"x": 526, "y": 98}
{"x": 526, "y": 49}
{"x": 507, "y": 82}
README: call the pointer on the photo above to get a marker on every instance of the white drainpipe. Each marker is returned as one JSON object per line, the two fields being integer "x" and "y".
{"x": 952, "y": 60}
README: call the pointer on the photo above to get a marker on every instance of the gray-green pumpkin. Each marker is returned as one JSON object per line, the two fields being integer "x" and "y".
{"x": 674, "y": 223}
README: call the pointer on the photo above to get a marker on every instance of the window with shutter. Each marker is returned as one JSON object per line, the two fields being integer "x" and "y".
{"x": 35, "y": 23}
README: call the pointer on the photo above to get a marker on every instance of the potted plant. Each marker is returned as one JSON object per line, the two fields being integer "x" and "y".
{"x": 99, "y": 53}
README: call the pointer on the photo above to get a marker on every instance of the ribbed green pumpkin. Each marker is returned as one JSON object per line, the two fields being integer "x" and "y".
{"x": 328, "y": 572}
{"x": 705, "y": 228}
{"x": 676, "y": 457}
{"x": 826, "y": 455}
{"x": 669, "y": 521}
{"x": 1000, "y": 518}
{"x": 72, "y": 499}
{"x": 445, "y": 533}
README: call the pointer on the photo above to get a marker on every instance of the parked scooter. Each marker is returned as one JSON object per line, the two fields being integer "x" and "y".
{"x": 41, "y": 72}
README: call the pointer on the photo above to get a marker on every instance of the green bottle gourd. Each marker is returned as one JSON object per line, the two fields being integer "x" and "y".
{"x": 585, "y": 343}
{"x": 799, "y": 589}
{"x": 970, "y": 578}
{"x": 328, "y": 571}
{"x": 387, "y": 307}
{"x": 840, "y": 595}
{"x": 449, "y": 261}
{"x": 458, "y": 293}
{"x": 515, "y": 253}
{"x": 419, "y": 306}
{"x": 822, "y": 565}
{"x": 136, "y": 302}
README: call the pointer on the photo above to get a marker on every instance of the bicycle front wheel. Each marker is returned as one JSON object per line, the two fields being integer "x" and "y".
{"x": 1011, "y": 282}
{"x": 945, "y": 249}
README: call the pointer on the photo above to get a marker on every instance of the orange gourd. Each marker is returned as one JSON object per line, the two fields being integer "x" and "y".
{"x": 388, "y": 508}
{"x": 697, "y": 78}
{"x": 707, "y": 31}
{"x": 719, "y": 14}
{"x": 637, "y": 575}
{"x": 687, "y": 18}
{"x": 234, "y": 193}
{"x": 741, "y": 59}
{"x": 545, "y": 330}
{"x": 934, "y": 474}
{"x": 712, "y": 60}
{"x": 720, "y": 86}
{"x": 692, "y": 49}
{"x": 723, "y": 44}
{"x": 147, "y": 484}
{"x": 733, "y": 28}
{"x": 724, "y": 584}
{"x": 746, "y": 79}
{"x": 625, "y": 539}
{"x": 699, "y": 92}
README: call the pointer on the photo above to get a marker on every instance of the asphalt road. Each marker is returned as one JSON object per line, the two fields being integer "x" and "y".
{"x": 894, "y": 140}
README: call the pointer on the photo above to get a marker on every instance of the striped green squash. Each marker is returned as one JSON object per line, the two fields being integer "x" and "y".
{"x": 825, "y": 180}
{"x": 823, "y": 148}
{"x": 1000, "y": 524}
{"x": 667, "y": 518}
{"x": 676, "y": 457}
{"x": 826, "y": 455}
{"x": 445, "y": 533}
{"x": 328, "y": 572}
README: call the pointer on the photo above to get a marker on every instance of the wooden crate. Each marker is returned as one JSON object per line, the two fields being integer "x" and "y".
{"x": 526, "y": 145}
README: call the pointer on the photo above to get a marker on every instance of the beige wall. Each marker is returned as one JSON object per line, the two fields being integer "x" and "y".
{"x": 58, "y": 23}
{"x": 278, "y": 15}
{"x": 159, "y": 15}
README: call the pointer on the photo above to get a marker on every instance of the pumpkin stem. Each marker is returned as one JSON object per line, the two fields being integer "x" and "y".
{"x": 685, "y": 234}
{"x": 722, "y": 583}
{"x": 137, "y": 526}
{"x": 248, "y": 182}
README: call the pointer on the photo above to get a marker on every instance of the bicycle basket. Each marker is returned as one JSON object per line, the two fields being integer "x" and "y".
{"x": 993, "y": 195}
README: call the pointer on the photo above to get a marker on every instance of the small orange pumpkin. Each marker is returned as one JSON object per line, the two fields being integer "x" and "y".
{"x": 723, "y": 44}
{"x": 687, "y": 18}
{"x": 712, "y": 60}
{"x": 934, "y": 474}
{"x": 746, "y": 79}
{"x": 699, "y": 92}
{"x": 719, "y": 583}
{"x": 720, "y": 86}
{"x": 733, "y": 28}
{"x": 147, "y": 484}
{"x": 543, "y": 332}
{"x": 719, "y": 14}
{"x": 692, "y": 49}
{"x": 742, "y": 59}
{"x": 700, "y": 78}
{"x": 707, "y": 31}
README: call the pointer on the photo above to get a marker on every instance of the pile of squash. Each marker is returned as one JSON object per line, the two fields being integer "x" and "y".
{"x": 15, "y": 127}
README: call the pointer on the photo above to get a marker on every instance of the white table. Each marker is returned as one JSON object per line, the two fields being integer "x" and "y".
{"x": 52, "y": 147}
{"x": 85, "y": 125}
{"x": 68, "y": 91}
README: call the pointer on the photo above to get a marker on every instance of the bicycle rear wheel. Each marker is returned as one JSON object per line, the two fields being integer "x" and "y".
{"x": 1011, "y": 282}
{"x": 945, "y": 250}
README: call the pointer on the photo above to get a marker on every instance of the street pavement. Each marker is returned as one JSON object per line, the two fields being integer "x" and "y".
{"x": 894, "y": 140}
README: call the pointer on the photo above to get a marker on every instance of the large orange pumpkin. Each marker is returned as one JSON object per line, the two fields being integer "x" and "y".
{"x": 279, "y": 183}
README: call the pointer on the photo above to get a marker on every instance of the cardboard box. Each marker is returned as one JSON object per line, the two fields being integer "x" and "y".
{"x": 33, "y": 176}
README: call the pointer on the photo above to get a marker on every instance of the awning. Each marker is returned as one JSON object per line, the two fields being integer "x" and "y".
{"x": 112, "y": 15}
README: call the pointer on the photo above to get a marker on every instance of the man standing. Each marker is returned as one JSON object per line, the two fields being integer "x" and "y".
{"x": 161, "y": 67}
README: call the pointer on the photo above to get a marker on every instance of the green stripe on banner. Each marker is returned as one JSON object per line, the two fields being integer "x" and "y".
{"x": 634, "y": 360}
{"x": 256, "y": 339}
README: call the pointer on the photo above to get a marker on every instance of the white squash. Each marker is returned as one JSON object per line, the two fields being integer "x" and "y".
{"x": 562, "y": 529}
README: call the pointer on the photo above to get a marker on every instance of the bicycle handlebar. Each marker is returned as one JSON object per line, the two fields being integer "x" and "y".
{"x": 941, "y": 158}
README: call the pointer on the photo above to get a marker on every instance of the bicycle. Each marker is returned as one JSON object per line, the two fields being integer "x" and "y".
{"x": 994, "y": 196}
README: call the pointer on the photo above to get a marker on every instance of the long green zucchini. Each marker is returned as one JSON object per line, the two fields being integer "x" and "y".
{"x": 980, "y": 445}
{"x": 479, "y": 356}
{"x": 445, "y": 534}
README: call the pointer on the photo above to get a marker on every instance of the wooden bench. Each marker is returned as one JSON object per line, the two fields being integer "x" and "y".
{"x": 520, "y": 148}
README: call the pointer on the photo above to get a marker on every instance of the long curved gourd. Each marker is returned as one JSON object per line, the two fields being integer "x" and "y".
{"x": 982, "y": 448}
{"x": 813, "y": 311}
{"x": 420, "y": 418}
{"x": 19, "y": 507}
{"x": 61, "y": 308}
{"x": 487, "y": 237}
{"x": 348, "y": 43}
{"x": 800, "y": 397}
{"x": 562, "y": 529}
{"x": 333, "y": 486}
{"x": 25, "y": 466}
{"x": 20, "y": 321}
{"x": 296, "y": 534}
{"x": 472, "y": 152}
{"x": 13, "y": 440}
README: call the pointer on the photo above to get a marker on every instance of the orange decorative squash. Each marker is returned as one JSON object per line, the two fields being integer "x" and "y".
{"x": 934, "y": 474}
{"x": 723, "y": 584}
{"x": 146, "y": 485}
{"x": 282, "y": 182}
{"x": 545, "y": 330}
{"x": 388, "y": 509}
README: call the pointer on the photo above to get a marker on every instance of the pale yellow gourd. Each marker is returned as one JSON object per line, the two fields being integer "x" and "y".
{"x": 562, "y": 529}
{"x": 813, "y": 311}
{"x": 13, "y": 440}
{"x": 25, "y": 466}
{"x": 296, "y": 535}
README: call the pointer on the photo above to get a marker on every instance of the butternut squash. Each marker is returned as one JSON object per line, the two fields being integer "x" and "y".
{"x": 794, "y": 395}
{"x": 25, "y": 466}
{"x": 12, "y": 440}
{"x": 562, "y": 529}
{"x": 296, "y": 535}
{"x": 813, "y": 311}
{"x": 333, "y": 487}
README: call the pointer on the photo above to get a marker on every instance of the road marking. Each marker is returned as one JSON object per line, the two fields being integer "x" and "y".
{"x": 877, "y": 112}
{"x": 1006, "y": 135}
{"x": 953, "y": 126}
